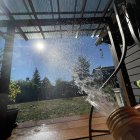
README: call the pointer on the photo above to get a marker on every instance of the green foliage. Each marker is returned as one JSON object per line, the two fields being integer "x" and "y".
{"x": 108, "y": 89}
{"x": 82, "y": 68}
{"x": 46, "y": 89}
{"x": 37, "y": 89}
{"x": 14, "y": 90}
{"x": 36, "y": 79}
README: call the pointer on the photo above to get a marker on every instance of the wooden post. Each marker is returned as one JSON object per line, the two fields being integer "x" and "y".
{"x": 6, "y": 72}
{"x": 123, "y": 78}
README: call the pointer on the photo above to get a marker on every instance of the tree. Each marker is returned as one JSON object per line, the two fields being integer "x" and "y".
{"x": 36, "y": 78}
{"x": 14, "y": 90}
{"x": 46, "y": 88}
{"x": 36, "y": 83}
{"x": 27, "y": 91}
{"x": 81, "y": 68}
{"x": 58, "y": 88}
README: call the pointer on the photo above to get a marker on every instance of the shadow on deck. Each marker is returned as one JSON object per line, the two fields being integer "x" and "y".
{"x": 75, "y": 127}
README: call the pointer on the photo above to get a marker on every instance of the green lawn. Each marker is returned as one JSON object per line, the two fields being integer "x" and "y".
{"x": 48, "y": 109}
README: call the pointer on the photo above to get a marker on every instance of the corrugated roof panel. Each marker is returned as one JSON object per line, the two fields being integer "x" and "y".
{"x": 77, "y": 15}
{"x": 57, "y": 27}
{"x": 79, "y": 5}
{"x": 76, "y": 27}
{"x": 88, "y": 15}
{"x": 91, "y": 5}
{"x": 102, "y": 25}
{"x": 55, "y": 6}
{"x": 16, "y": 6}
{"x": 47, "y": 28}
{"x": 85, "y": 26}
{"x": 103, "y": 5}
{"x": 66, "y": 5}
{"x": 45, "y": 16}
{"x": 18, "y": 36}
{"x": 42, "y": 5}
{"x": 34, "y": 35}
{"x": 3, "y": 17}
{"x": 66, "y": 16}
{"x": 22, "y": 17}
{"x": 53, "y": 35}
{"x": 3, "y": 29}
{"x": 83, "y": 33}
{"x": 56, "y": 16}
{"x": 30, "y": 29}
{"x": 68, "y": 34}
{"x": 66, "y": 27}
{"x": 94, "y": 26}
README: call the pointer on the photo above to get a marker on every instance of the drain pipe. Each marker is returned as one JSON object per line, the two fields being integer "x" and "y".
{"x": 123, "y": 47}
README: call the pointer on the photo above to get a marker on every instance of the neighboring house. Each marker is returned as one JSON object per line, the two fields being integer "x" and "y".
{"x": 101, "y": 74}
{"x": 132, "y": 62}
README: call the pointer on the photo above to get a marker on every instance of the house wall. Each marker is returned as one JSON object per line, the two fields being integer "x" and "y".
{"x": 132, "y": 62}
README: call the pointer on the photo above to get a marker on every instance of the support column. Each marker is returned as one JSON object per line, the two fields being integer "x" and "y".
{"x": 123, "y": 78}
{"x": 6, "y": 72}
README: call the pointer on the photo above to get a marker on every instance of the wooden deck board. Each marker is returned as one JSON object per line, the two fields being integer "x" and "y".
{"x": 58, "y": 129}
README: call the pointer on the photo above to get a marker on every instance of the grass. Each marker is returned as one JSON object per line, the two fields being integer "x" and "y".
{"x": 48, "y": 109}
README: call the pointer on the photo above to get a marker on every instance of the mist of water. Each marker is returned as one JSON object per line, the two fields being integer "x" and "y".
{"x": 99, "y": 99}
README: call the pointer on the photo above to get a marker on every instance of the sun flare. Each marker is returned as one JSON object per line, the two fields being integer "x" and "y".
{"x": 40, "y": 46}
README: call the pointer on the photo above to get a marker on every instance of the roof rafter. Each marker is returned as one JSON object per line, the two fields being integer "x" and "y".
{"x": 75, "y": 5}
{"x": 96, "y": 11}
{"x": 8, "y": 13}
{"x": 82, "y": 14}
{"x": 59, "y": 14}
{"x": 54, "y": 13}
{"x": 52, "y": 10}
{"x": 105, "y": 12}
{"x": 36, "y": 18}
{"x": 52, "y": 31}
{"x": 47, "y": 22}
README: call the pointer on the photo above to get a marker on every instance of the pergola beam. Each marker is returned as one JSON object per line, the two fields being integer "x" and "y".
{"x": 8, "y": 13}
{"x": 54, "y": 31}
{"x": 36, "y": 18}
{"x": 75, "y": 5}
{"x": 104, "y": 14}
{"x": 82, "y": 14}
{"x": 54, "y": 13}
{"x": 96, "y": 11}
{"x": 58, "y": 6}
{"x": 47, "y": 22}
{"x": 52, "y": 10}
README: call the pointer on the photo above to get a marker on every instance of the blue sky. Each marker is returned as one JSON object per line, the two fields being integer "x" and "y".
{"x": 57, "y": 58}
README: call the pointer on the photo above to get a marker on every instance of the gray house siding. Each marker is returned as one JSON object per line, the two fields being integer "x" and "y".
{"x": 132, "y": 62}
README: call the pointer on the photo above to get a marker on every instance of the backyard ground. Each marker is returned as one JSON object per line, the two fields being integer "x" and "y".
{"x": 49, "y": 109}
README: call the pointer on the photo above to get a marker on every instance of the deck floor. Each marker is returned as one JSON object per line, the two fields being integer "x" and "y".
{"x": 60, "y": 129}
